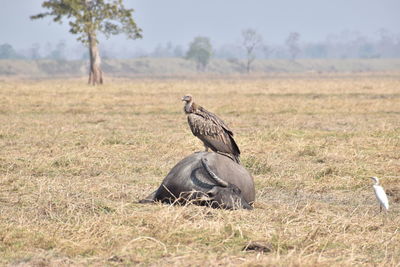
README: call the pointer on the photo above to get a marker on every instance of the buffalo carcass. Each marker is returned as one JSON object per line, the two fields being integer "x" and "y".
{"x": 207, "y": 178}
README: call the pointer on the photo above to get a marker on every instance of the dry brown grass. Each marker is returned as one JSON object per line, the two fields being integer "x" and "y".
{"x": 75, "y": 159}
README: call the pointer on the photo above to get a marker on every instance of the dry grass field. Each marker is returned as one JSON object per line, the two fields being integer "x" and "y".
{"x": 75, "y": 159}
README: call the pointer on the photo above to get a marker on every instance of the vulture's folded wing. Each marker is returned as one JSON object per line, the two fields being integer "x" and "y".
{"x": 214, "y": 118}
{"x": 212, "y": 134}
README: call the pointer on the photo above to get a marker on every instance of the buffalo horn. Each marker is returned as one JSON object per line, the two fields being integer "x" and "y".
{"x": 218, "y": 180}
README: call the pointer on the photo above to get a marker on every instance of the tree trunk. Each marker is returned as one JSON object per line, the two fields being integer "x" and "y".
{"x": 248, "y": 66}
{"x": 95, "y": 73}
{"x": 250, "y": 58}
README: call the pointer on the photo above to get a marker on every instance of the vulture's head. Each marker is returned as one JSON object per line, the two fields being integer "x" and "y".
{"x": 187, "y": 98}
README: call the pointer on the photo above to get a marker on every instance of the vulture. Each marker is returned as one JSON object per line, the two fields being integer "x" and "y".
{"x": 210, "y": 129}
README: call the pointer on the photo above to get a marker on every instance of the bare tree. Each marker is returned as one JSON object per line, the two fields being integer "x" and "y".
{"x": 34, "y": 51}
{"x": 251, "y": 41}
{"x": 293, "y": 44}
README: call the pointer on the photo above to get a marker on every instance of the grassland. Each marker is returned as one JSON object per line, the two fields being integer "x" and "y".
{"x": 74, "y": 161}
{"x": 147, "y": 67}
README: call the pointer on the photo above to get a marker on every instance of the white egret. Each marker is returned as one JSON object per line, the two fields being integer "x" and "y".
{"x": 380, "y": 194}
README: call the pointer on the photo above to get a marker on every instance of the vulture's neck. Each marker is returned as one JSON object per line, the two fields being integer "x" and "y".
{"x": 190, "y": 107}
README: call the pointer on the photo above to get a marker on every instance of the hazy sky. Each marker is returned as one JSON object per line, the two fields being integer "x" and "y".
{"x": 179, "y": 21}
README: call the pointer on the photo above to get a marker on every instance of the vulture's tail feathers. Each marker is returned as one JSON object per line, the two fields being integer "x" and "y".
{"x": 235, "y": 158}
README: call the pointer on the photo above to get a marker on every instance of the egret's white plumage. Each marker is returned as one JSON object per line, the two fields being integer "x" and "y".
{"x": 380, "y": 194}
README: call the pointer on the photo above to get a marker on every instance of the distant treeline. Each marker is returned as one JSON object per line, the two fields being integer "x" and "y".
{"x": 178, "y": 67}
{"x": 344, "y": 45}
